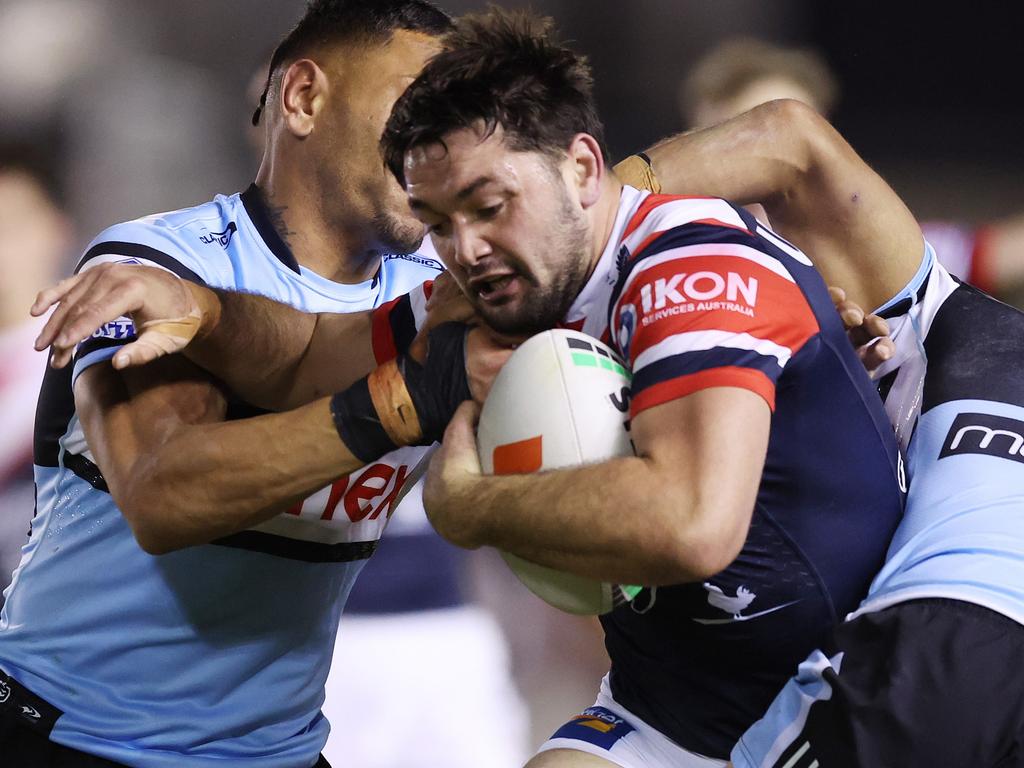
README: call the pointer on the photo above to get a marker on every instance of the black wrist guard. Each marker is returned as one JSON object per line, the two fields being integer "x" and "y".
{"x": 403, "y": 402}
{"x": 439, "y": 386}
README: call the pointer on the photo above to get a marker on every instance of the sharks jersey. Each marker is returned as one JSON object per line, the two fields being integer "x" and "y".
{"x": 212, "y": 654}
{"x": 696, "y": 294}
{"x": 954, "y": 396}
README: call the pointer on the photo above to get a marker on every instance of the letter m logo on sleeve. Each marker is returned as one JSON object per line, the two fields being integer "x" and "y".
{"x": 985, "y": 434}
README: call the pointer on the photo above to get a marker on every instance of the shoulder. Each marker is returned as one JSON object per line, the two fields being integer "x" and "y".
{"x": 190, "y": 242}
{"x": 974, "y": 347}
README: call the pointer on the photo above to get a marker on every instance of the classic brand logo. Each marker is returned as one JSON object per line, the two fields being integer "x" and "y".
{"x": 698, "y": 292}
{"x": 221, "y": 238}
{"x": 986, "y": 434}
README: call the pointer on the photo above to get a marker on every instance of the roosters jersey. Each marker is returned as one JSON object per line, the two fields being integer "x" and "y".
{"x": 953, "y": 393}
{"x": 695, "y": 293}
{"x": 212, "y": 654}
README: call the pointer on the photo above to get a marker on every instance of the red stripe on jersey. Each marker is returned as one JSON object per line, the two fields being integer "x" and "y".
{"x": 728, "y": 376}
{"x": 428, "y": 288}
{"x": 780, "y": 312}
{"x": 381, "y": 335}
{"x": 649, "y": 204}
{"x": 982, "y": 271}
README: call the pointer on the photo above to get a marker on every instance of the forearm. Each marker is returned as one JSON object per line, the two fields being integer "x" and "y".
{"x": 761, "y": 156}
{"x": 610, "y": 521}
{"x": 815, "y": 189}
{"x": 275, "y": 356}
{"x": 211, "y": 480}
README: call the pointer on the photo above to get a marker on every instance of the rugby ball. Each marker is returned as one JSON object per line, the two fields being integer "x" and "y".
{"x": 561, "y": 400}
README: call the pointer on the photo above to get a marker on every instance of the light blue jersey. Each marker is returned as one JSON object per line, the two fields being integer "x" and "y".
{"x": 953, "y": 391}
{"x": 215, "y": 654}
{"x": 954, "y": 394}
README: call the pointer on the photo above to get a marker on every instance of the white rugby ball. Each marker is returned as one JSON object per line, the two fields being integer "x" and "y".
{"x": 561, "y": 400}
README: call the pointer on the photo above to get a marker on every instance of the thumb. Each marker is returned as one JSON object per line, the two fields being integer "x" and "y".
{"x": 461, "y": 431}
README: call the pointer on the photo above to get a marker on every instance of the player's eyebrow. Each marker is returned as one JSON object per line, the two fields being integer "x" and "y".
{"x": 419, "y": 205}
{"x": 472, "y": 187}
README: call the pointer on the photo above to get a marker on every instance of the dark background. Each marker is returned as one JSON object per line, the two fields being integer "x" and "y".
{"x": 144, "y": 107}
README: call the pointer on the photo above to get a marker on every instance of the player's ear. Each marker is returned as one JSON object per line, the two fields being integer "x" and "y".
{"x": 588, "y": 167}
{"x": 303, "y": 89}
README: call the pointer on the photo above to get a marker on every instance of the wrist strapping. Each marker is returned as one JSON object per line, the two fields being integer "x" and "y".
{"x": 402, "y": 402}
{"x": 637, "y": 171}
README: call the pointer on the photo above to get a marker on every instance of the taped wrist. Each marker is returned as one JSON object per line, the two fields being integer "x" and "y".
{"x": 403, "y": 402}
{"x": 440, "y": 384}
{"x": 637, "y": 171}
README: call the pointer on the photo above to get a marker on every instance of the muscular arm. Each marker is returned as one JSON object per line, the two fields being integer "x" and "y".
{"x": 277, "y": 357}
{"x": 816, "y": 190}
{"x": 180, "y": 475}
{"x": 677, "y": 512}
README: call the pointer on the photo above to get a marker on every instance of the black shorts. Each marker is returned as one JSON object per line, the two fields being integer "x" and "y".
{"x": 933, "y": 683}
{"x": 24, "y": 741}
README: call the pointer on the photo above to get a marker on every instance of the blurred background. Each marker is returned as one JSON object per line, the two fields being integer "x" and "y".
{"x": 112, "y": 109}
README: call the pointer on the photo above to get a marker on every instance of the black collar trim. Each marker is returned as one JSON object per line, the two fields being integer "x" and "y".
{"x": 252, "y": 199}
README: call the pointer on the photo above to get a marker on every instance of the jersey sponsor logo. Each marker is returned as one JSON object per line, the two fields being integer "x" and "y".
{"x": 703, "y": 291}
{"x": 222, "y": 238}
{"x": 595, "y": 725}
{"x": 985, "y": 434}
{"x": 122, "y": 328}
{"x": 371, "y": 492}
{"x": 5, "y": 692}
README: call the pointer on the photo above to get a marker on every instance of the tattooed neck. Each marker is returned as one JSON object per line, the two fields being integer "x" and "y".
{"x": 277, "y": 218}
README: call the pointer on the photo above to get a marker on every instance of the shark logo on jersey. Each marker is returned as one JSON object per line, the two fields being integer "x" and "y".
{"x": 221, "y": 238}
{"x": 985, "y": 434}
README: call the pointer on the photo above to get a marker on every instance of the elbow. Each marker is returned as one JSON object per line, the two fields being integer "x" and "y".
{"x": 143, "y": 517}
{"x": 696, "y": 552}
{"x": 801, "y": 130}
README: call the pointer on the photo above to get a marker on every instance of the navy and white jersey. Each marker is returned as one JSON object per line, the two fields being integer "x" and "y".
{"x": 695, "y": 293}
{"x": 954, "y": 393}
{"x": 212, "y": 654}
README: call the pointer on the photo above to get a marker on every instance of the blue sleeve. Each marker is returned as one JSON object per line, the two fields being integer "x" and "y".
{"x": 145, "y": 243}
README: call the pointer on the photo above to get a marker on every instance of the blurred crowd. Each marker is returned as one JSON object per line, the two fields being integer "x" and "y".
{"x": 117, "y": 121}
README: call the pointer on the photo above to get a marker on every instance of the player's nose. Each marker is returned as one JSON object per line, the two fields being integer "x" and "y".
{"x": 470, "y": 246}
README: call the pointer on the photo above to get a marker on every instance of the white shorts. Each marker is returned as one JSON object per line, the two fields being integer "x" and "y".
{"x": 421, "y": 690}
{"x": 610, "y": 731}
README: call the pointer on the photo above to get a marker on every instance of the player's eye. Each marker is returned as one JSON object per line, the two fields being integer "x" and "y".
{"x": 490, "y": 211}
{"x": 442, "y": 229}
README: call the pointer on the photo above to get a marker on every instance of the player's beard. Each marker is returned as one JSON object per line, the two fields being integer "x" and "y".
{"x": 544, "y": 306}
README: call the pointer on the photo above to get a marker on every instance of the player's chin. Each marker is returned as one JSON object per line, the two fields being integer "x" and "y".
{"x": 400, "y": 234}
{"x": 514, "y": 318}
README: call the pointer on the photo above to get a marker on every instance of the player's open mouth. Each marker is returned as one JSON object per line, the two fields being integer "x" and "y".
{"x": 496, "y": 289}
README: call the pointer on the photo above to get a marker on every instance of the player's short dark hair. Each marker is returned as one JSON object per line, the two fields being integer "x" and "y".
{"x": 327, "y": 22}
{"x": 504, "y": 69}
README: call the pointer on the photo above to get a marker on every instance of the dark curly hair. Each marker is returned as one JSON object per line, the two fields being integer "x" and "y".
{"x": 356, "y": 21}
{"x": 504, "y": 69}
